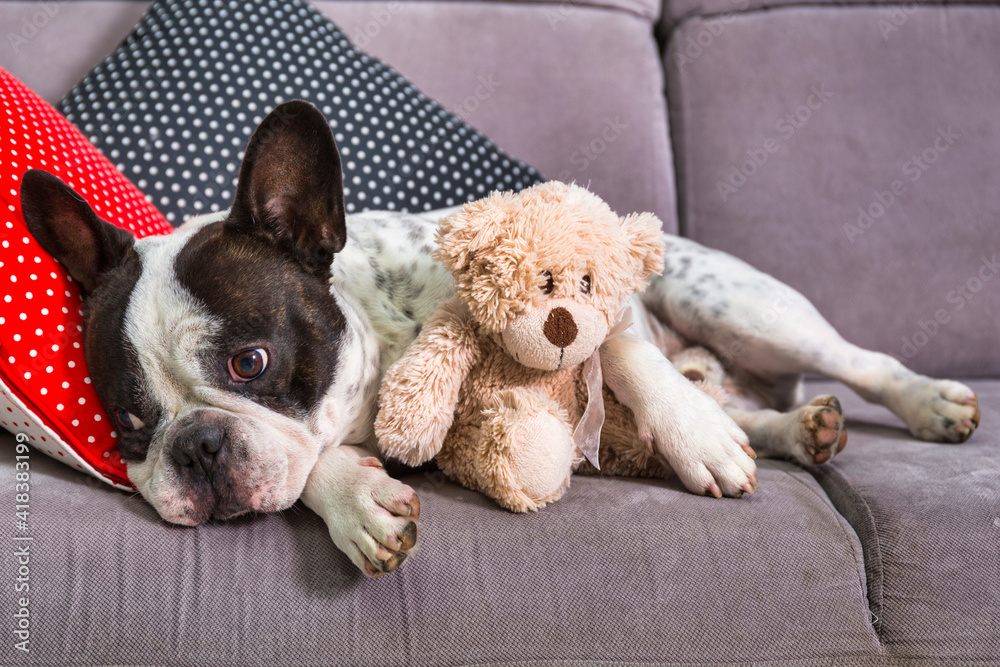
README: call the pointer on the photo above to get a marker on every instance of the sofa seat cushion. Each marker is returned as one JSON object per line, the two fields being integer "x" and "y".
{"x": 619, "y": 570}
{"x": 928, "y": 516}
{"x": 862, "y": 171}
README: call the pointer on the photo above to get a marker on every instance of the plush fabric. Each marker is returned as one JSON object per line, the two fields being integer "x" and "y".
{"x": 879, "y": 201}
{"x": 44, "y": 388}
{"x": 174, "y": 105}
{"x": 658, "y": 576}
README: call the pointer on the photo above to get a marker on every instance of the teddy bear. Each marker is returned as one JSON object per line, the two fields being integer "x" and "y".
{"x": 502, "y": 385}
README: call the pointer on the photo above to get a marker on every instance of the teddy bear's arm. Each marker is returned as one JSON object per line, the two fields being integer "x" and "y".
{"x": 419, "y": 393}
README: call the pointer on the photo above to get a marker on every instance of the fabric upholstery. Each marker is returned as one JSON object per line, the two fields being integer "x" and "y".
{"x": 618, "y": 570}
{"x": 905, "y": 129}
{"x": 601, "y": 123}
{"x": 928, "y": 516}
{"x": 893, "y": 13}
{"x": 50, "y": 45}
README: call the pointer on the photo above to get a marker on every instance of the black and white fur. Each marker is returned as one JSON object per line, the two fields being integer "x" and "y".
{"x": 332, "y": 301}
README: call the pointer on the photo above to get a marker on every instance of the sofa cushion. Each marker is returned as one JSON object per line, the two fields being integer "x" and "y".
{"x": 619, "y": 570}
{"x": 601, "y": 122}
{"x": 44, "y": 387}
{"x": 862, "y": 171}
{"x": 50, "y": 45}
{"x": 174, "y": 105}
{"x": 928, "y": 516}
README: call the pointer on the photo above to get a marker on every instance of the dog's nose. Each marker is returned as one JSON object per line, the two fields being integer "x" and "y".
{"x": 560, "y": 327}
{"x": 196, "y": 449}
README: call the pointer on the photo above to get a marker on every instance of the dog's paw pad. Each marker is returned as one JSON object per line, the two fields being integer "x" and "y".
{"x": 828, "y": 400}
{"x": 820, "y": 431}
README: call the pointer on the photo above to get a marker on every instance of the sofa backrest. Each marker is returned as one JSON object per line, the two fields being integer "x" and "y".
{"x": 853, "y": 152}
{"x": 575, "y": 90}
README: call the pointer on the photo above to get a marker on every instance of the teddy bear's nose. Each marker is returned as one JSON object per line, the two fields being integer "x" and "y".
{"x": 560, "y": 328}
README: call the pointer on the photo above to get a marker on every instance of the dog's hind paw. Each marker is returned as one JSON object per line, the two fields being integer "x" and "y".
{"x": 819, "y": 432}
{"x": 939, "y": 410}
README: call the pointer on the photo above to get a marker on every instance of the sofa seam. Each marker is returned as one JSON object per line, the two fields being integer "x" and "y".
{"x": 677, "y": 131}
{"x": 838, "y": 660}
{"x": 876, "y": 586}
{"x": 767, "y": 8}
{"x": 655, "y": 17}
{"x": 875, "y": 619}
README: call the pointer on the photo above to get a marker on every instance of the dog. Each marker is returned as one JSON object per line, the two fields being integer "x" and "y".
{"x": 240, "y": 356}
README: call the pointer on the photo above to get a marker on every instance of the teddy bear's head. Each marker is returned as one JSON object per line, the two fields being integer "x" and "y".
{"x": 547, "y": 269}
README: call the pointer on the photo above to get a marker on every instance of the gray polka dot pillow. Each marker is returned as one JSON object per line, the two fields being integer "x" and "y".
{"x": 176, "y": 102}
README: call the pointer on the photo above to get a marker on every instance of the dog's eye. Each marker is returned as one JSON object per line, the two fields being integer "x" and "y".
{"x": 585, "y": 284}
{"x": 127, "y": 421}
{"x": 248, "y": 365}
{"x": 549, "y": 285}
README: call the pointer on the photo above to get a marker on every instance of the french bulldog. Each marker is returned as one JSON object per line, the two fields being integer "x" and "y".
{"x": 240, "y": 356}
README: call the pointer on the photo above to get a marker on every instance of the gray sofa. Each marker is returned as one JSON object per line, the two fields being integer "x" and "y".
{"x": 767, "y": 129}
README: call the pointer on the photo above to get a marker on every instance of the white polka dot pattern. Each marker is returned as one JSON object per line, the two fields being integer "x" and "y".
{"x": 45, "y": 392}
{"x": 175, "y": 104}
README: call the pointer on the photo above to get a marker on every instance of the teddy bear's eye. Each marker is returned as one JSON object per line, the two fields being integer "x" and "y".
{"x": 585, "y": 284}
{"x": 549, "y": 285}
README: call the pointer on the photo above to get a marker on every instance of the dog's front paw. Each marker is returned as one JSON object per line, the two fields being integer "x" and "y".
{"x": 375, "y": 521}
{"x": 708, "y": 452}
{"x": 939, "y": 410}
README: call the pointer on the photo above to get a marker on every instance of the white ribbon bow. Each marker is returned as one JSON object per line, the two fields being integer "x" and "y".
{"x": 587, "y": 435}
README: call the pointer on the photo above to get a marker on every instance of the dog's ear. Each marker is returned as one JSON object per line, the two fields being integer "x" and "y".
{"x": 68, "y": 229}
{"x": 291, "y": 186}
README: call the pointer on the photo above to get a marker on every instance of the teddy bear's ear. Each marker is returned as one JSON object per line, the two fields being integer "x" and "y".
{"x": 473, "y": 228}
{"x": 644, "y": 237}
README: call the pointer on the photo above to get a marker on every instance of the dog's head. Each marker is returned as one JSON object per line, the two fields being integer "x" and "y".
{"x": 547, "y": 269}
{"x": 217, "y": 348}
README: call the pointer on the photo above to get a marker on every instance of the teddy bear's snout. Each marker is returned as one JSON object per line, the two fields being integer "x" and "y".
{"x": 560, "y": 328}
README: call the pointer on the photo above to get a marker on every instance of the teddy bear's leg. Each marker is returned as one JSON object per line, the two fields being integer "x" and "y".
{"x": 525, "y": 453}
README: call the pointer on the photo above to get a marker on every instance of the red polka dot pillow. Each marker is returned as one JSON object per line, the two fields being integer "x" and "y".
{"x": 45, "y": 392}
